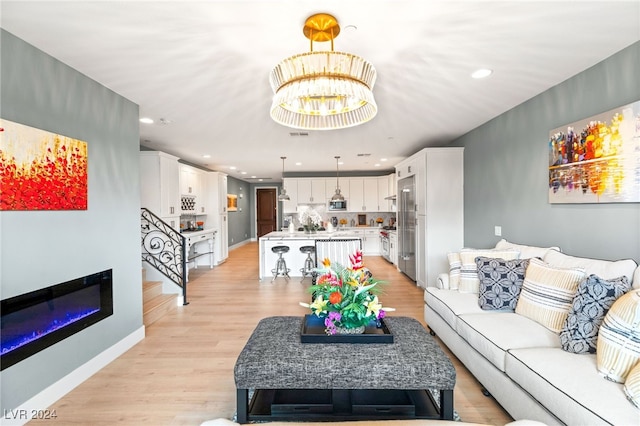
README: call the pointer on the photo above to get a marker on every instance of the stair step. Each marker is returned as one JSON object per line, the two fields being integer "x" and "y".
{"x": 151, "y": 289}
{"x": 157, "y": 307}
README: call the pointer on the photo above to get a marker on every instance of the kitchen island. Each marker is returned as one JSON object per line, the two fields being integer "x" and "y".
{"x": 295, "y": 240}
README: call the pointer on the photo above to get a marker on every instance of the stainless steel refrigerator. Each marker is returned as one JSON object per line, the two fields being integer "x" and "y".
{"x": 406, "y": 201}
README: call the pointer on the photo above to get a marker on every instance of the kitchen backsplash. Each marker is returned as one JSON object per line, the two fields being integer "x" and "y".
{"x": 350, "y": 219}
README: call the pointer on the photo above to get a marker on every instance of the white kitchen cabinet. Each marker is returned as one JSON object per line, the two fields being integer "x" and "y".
{"x": 439, "y": 186}
{"x": 193, "y": 190}
{"x": 216, "y": 206}
{"x": 202, "y": 201}
{"x": 371, "y": 242}
{"x": 355, "y": 202}
{"x": 290, "y": 205}
{"x": 311, "y": 191}
{"x": 386, "y": 188}
{"x": 189, "y": 181}
{"x": 159, "y": 185}
{"x": 393, "y": 247}
{"x": 363, "y": 194}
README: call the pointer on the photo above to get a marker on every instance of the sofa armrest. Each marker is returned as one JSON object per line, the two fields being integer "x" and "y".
{"x": 443, "y": 282}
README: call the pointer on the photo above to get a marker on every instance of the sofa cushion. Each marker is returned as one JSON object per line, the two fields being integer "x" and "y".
{"x": 547, "y": 293}
{"x": 500, "y": 282}
{"x": 451, "y": 303}
{"x": 493, "y": 333}
{"x": 454, "y": 269}
{"x": 618, "y": 347}
{"x": 593, "y": 299}
{"x": 526, "y": 252}
{"x": 469, "y": 282}
{"x": 569, "y": 386}
{"x": 606, "y": 269}
{"x": 632, "y": 385}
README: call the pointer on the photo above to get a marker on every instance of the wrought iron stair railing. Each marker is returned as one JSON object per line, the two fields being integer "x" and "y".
{"x": 164, "y": 248}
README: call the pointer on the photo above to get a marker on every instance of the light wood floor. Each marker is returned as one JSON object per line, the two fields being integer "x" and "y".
{"x": 182, "y": 372}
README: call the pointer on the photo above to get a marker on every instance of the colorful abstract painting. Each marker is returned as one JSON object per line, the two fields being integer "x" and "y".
{"x": 40, "y": 170}
{"x": 597, "y": 160}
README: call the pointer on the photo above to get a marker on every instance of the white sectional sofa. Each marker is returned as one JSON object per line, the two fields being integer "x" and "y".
{"x": 521, "y": 362}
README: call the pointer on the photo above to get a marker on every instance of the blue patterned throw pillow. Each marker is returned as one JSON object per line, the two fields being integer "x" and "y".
{"x": 500, "y": 282}
{"x": 591, "y": 303}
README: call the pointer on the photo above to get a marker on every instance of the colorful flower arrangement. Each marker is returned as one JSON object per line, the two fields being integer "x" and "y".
{"x": 347, "y": 298}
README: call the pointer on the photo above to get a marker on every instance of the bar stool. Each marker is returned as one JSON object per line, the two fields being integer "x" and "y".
{"x": 309, "y": 264}
{"x": 281, "y": 265}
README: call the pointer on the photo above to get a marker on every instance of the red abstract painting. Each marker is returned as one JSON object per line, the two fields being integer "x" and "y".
{"x": 40, "y": 170}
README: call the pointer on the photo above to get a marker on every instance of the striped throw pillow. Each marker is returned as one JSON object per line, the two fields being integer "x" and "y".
{"x": 469, "y": 280}
{"x": 618, "y": 347}
{"x": 454, "y": 270}
{"x": 632, "y": 386}
{"x": 547, "y": 293}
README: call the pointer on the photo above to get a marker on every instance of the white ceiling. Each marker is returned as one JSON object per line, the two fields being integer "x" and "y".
{"x": 203, "y": 66}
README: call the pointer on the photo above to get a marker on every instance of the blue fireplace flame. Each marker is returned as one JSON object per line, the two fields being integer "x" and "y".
{"x": 34, "y": 321}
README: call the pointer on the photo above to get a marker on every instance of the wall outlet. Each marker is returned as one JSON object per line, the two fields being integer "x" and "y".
{"x": 498, "y": 231}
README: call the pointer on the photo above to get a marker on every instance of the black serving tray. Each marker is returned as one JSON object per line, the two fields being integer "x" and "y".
{"x": 313, "y": 332}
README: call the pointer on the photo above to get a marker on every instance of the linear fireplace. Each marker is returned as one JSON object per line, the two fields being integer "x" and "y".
{"x": 34, "y": 321}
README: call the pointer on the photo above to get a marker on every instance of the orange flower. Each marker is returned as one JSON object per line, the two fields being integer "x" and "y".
{"x": 335, "y": 297}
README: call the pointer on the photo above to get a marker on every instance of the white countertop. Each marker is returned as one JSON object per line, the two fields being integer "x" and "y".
{"x": 190, "y": 234}
{"x": 301, "y": 235}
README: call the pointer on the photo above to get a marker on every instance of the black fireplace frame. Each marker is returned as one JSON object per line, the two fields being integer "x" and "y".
{"x": 14, "y": 304}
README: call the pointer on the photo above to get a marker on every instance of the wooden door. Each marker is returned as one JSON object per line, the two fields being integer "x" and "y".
{"x": 266, "y": 217}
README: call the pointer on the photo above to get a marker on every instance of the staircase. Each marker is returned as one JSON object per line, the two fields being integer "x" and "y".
{"x": 155, "y": 304}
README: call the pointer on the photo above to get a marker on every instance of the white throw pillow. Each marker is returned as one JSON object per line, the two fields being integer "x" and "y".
{"x": 469, "y": 281}
{"x": 526, "y": 252}
{"x": 454, "y": 270}
{"x": 547, "y": 293}
{"x": 618, "y": 347}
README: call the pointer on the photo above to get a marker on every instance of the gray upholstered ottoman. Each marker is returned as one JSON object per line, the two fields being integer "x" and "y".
{"x": 275, "y": 360}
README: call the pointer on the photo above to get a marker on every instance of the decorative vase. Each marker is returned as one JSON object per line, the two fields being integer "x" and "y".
{"x": 344, "y": 330}
{"x": 309, "y": 229}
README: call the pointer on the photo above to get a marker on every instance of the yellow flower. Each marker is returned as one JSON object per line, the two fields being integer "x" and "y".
{"x": 326, "y": 262}
{"x": 373, "y": 307}
{"x": 319, "y": 305}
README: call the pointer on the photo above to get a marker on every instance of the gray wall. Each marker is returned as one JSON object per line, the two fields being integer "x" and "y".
{"x": 506, "y": 169}
{"x": 239, "y": 221}
{"x": 42, "y": 248}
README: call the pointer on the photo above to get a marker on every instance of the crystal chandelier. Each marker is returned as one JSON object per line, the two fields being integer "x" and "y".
{"x": 323, "y": 90}
{"x": 283, "y": 195}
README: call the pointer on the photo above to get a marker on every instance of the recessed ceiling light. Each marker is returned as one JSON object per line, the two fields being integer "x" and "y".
{"x": 376, "y": 165}
{"x": 232, "y": 167}
{"x": 146, "y": 120}
{"x": 260, "y": 180}
{"x": 298, "y": 164}
{"x": 482, "y": 73}
{"x": 243, "y": 173}
{"x": 383, "y": 159}
{"x": 206, "y": 156}
{"x": 253, "y": 176}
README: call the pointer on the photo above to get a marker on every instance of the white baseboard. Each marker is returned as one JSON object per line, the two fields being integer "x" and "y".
{"x": 240, "y": 244}
{"x": 47, "y": 397}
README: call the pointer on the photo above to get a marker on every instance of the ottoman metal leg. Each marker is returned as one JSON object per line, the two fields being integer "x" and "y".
{"x": 242, "y": 403}
{"x": 446, "y": 404}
